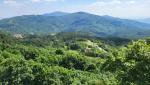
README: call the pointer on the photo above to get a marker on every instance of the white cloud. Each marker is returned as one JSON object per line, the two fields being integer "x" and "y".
{"x": 50, "y": 0}
{"x": 46, "y": 0}
{"x": 131, "y": 2}
{"x": 115, "y": 2}
{"x": 12, "y": 3}
{"x": 9, "y": 2}
{"x": 119, "y": 8}
{"x": 35, "y": 0}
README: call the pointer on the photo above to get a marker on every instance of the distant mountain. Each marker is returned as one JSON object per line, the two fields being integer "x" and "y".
{"x": 102, "y": 26}
{"x": 56, "y": 14}
{"x": 146, "y": 20}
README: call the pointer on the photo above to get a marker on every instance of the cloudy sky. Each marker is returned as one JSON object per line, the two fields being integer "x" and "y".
{"x": 117, "y": 8}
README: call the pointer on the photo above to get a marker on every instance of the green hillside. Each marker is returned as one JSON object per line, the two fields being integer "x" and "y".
{"x": 101, "y": 26}
{"x": 73, "y": 59}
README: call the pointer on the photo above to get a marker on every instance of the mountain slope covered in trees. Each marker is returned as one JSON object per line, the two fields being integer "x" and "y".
{"x": 76, "y": 22}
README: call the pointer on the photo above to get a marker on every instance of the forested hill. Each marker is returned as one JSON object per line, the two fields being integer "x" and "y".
{"x": 72, "y": 22}
{"x": 73, "y": 59}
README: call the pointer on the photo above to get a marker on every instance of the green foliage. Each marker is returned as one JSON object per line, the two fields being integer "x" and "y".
{"x": 59, "y": 52}
{"x": 137, "y": 63}
{"x": 74, "y": 47}
{"x": 15, "y": 71}
{"x": 132, "y": 64}
{"x": 23, "y": 62}
{"x": 73, "y": 62}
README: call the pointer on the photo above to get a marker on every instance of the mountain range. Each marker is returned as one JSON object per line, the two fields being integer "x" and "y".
{"x": 101, "y": 26}
{"x": 145, "y": 20}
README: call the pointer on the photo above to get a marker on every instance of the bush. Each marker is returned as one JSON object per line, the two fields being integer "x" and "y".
{"x": 59, "y": 52}
{"x": 72, "y": 62}
{"x": 74, "y": 47}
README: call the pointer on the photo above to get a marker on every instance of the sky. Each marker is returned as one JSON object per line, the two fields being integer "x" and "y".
{"x": 131, "y": 9}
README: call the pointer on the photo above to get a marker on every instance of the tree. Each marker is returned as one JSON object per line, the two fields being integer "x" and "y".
{"x": 74, "y": 47}
{"x": 137, "y": 63}
{"x": 59, "y": 52}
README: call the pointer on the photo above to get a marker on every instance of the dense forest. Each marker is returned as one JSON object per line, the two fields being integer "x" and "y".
{"x": 73, "y": 59}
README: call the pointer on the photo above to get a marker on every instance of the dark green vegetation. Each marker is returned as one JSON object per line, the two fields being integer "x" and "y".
{"x": 102, "y": 26}
{"x": 73, "y": 59}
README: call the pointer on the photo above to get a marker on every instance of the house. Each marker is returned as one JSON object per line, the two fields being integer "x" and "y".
{"x": 18, "y": 36}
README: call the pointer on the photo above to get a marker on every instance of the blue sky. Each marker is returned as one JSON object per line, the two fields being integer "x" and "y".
{"x": 116, "y": 8}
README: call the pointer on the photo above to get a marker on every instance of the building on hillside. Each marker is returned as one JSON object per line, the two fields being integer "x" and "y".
{"x": 18, "y": 36}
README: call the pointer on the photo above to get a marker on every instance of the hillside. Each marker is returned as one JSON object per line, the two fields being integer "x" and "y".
{"x": 101, "y": 26}
{"x": 73, "y": 59}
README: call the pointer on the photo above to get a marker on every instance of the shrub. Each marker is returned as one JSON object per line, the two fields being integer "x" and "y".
{"x": 74, "y": 47}
{"x": 59, "y": 52}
